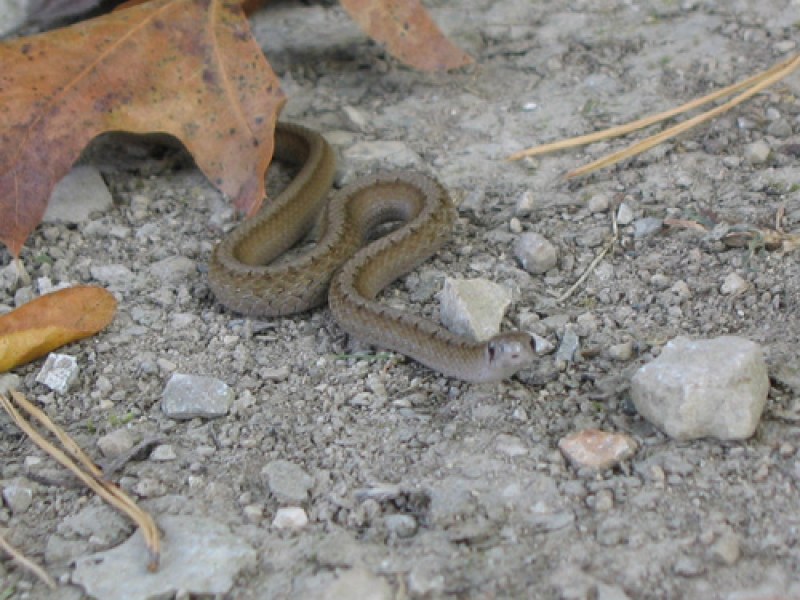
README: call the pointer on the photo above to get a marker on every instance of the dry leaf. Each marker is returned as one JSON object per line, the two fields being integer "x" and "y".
{"x": 408, "y": 31}
{"x": 52, "y": 320}
{"x": 189, "y": 68}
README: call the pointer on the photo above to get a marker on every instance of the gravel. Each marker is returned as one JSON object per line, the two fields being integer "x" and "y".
{"x": 413, "y": 483}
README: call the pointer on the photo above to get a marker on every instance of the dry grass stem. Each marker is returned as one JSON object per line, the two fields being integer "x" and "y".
{"x": 27, "y": 563}
{"x": 90, "y": 474}
{"x": 751, "y": 85}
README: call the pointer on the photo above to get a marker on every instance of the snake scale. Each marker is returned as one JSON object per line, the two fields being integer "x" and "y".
{"x": 343, "y": 270}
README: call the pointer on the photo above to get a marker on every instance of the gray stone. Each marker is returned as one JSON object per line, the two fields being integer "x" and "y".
{"x": 12, "y": 15}
{"x": 100, "y": 522}
{"x": 757, "y": 153}
{"x": 473, "y": 307}
{"x": 598, "y": 203}
{"x": 116, "y": 443}
{"x": 189, "y": 396}
{"x": 198, "y": 556}
{"x": 780, "y": 128}
{"x": 173, "y": 269}
{"x": 568, "y": 346}
{"x": 734, "y": 285}
{"x": 59, "y": 372}
{"x": 18, "y": 495}
{"x": 646, "y": 227}
{"x": 287, "y": 482}
{"x": 624, "y": 214}
{"x": 80, "y": 193}
{"x": 400, "y": 526}
{"x": 535, "y": 253}
{"x": 112, "y": 275}
{"x": 701, "y": 388}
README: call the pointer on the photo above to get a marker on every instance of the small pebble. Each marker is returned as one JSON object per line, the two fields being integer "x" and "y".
{"x": 18, "y": 495}
{"x": 116, "y": 443}
{"x": 624, "y": 214}
{"x": 163, "y": 453}
{"x": 598, "y": 203}
{"x": 290, "y": 517}
{"x": 733, "y": 285}
{"x": 535, "y": 253}
{"x": 597, "y": 449}
{"x": 757, "y": 153}
{"x": 189, "y": 396}
{"x": 400, "y": 526}
{"x": 473, "y": 307}
{"x": 59, "y": 372}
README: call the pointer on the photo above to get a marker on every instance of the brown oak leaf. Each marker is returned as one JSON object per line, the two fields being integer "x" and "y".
{"x": 189, "y": 68}
{"x": 409, "y": 33}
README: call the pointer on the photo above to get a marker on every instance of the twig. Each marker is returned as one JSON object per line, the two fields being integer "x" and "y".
{"x": 27, "y": 563}
{"x": 752, "y": 85}
{"x": 92, "y": 476}
{"x": 608, "y": 246}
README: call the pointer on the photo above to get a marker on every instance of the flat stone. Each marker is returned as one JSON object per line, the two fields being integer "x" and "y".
{"x": 473, "y": 307}
{"x": 188, "y": 396}
{"x": 290, "y": 517}
{"x": 198, "y": 556}
{"x": 287, "y": 482}
{"x": 59, "y": 372}
{"x": 699, "y": 388}
{"x": 80, "y": 193}
{"x": 597, "y": 449}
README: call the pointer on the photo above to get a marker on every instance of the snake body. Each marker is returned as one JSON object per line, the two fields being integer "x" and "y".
{"x": 244, "y": 276}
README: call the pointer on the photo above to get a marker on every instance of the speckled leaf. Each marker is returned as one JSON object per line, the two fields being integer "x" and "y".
{"x": 408, "y": 31}
{"x": 189, "y": 68}
{"x": 52, "y": 320}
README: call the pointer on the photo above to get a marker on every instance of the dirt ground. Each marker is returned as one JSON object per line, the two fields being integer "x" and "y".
{"x": 435, "y": 487}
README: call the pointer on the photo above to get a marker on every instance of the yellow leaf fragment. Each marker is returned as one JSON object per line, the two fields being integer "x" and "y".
{"x": 51, "y": 321}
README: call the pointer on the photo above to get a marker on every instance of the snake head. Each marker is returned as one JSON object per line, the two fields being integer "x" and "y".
{"x": 507, "y": 353}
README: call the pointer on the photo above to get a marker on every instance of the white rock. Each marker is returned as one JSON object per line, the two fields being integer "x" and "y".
{"x": 694, "y": 389}
{"x": 473, "y": 307}
{"x": 80, "y": 193}
{"x": 198, "y": 556}
{"x": 733, "y": 285}
{"x": 535, "y": 253}
{"x": 58, "y": 372}
{"x": 290, "y": 517}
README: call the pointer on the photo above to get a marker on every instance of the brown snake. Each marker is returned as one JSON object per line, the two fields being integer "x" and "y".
{"x": 347, "y": 274}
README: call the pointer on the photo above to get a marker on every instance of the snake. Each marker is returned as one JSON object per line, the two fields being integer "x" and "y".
{"x": 347, "y": 267}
